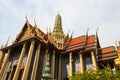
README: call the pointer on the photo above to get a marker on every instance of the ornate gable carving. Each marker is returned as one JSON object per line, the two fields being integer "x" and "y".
{"x": 26, "y": 32}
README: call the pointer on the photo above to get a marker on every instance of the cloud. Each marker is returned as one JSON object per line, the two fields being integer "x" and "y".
{"x": 77, "y": 15}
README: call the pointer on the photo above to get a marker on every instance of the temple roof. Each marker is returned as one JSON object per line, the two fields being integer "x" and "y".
{"x": 82, "y": 42}
{"x": 107, "y": 53}
{"x": 77, "y": 40}
{"x": 28, "y": 31}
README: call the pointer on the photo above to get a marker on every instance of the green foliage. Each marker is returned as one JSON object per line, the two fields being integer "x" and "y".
{"x": 104, "y": 74}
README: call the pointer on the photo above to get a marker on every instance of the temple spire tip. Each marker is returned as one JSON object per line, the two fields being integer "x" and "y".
{"x": 97, "y": 29}
{"x": 34, "y": 21}
{"x": 26, "y": 17}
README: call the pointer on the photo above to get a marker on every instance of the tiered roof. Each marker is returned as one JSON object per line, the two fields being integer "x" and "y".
{"x": 106, "y": 53}
{"x": 82, "y": 42}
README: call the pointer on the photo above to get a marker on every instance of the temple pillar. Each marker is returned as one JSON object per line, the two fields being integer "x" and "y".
{"x": 81, "y": 63}
{"x": 6, "y": 59}
{"x": 5, "y": 71}
{"x": 94, "y": 60}
{"x": 70, "y": 63}
{"x": 17, "y": 71}
{"x": 1, "y": 57}
{"x": 59, "y": 75}
{"x": 10, "y": 75}
{"x": 34, "y": 70}
{"x": 27, "y": 66}
{"x": 53, "y": 64}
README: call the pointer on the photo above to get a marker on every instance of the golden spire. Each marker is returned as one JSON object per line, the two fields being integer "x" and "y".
{"x": 26, "y": 18}
{"x": 34, "y": 21}
{"x": 27, "y": 21}
{"x": 35, "y": 26}
{"x": 97, "y": 30}
{"x": 6, "y": 44}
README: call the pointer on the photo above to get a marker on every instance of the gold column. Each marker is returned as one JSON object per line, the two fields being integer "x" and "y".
{"x": 70, "y": 63}
{"x": 4, "y": 63}
{"x": 6, "y": 68}
{"x": 81, "y": 63}
{"x": 19, "y": 62}
{"x": 53, "y": 63}
{"x": 59, "y": 75}
{"x": 27, "y": 66}
{"x": 1, "y": 57}
{"x": 94, "y": 60}
{"x": 10, "y": 75}
{"x": 34, "y": 70}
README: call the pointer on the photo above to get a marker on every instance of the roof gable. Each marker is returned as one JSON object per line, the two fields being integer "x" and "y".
{"x": 28, "y": 31}
{"x": 107, "y": 53}
{"x": 25, "y": 33}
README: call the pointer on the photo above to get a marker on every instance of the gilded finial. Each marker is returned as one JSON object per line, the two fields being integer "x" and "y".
{"x": 97, "y": 29}
{"x": 26, "y": 17}
{"x": 72, "y": 34}
{"x": 87, "y": 31}
{"x": 6, "y": 44}
{"x": 34, "y": 21}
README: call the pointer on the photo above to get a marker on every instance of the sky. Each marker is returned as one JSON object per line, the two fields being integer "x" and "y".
{"x": 77, "y": 16}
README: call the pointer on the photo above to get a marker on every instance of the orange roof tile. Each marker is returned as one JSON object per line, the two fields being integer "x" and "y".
{"x": 91, "y": 39}
{"x": 107, "y": 49}
{"x": 77, "y": 40}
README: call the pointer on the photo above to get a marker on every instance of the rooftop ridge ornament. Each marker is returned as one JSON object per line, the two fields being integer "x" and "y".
{"x": 97, "y": 30}
{"x": 26, "y": 17}
{"x": 87, "y": 32}
{"x": 35, "y": 25}
{"x": 34, "y": 21}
